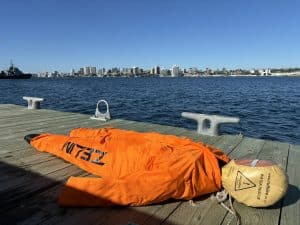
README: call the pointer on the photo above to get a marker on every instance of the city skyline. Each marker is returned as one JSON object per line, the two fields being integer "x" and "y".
{"x": 99, "y": 66}
{"x": 54, "y": 35}
{"x": 174, "y": 71}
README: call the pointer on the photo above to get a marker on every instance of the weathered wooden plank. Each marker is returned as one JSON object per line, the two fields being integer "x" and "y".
{"x": 39, "y": 205}
{"x": 18, "y": 114}
{"x": 37, "y": 124}
{"x": 41, "y": 169}
{"x": 44, "y": 127}
{"x": 203, "y": 209}
{"x": 10, "y": 106}
{"x": 32, "y": 121}
{"x": 137, "y": 215}
{"x": 162, "y": 129}
{"x": 62, "y": 126}
{"x": 31, "y": 209}
{"x": 25, "y": 152}
{"x": 181, "y": 208}
{"x": 43, "y": 120}
{"x": 188, "y": 214}
{"x": 142, "y": 127}
{"x": 290, "y": 213}
{"x": 228, "y": 143}
{"x": 17, "y": 143}
{"x": 129, "y": 213}
{"x": 161, "y": 214}
{"x": 158, "y": 214}
{"x": 18, "y": 183}
{"x": 33, "y": 183}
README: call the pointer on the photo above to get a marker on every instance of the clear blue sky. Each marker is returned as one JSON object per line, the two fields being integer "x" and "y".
{"x": 42, "y": 35}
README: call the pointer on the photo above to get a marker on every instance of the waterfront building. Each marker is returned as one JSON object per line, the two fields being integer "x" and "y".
{"x": 192, "y": 71}
{"x": 87, "y": 70}
{"x": 101, "y": 72}
{"x": 123, "y": 71}
{"x": 127, "y": 71}
{"x": 175, "y": 71}
{"x": 165, "y": 72}
{"x": 157, "y": 70}
{"x": 136, "y": 70}
{"x": 265, "y": 72}
{"x": 152, "y": 70}
{"x": 115, "y": 71}
{"x": 43, "y": 74}
{"x": 93, "y": 70}
{"x": 208, "y": 71}
{"x": 73, "y": 72}
{"x": 54, "y": 74}
{"x": 81, "y": 72}
{"x": 224, "y": 71}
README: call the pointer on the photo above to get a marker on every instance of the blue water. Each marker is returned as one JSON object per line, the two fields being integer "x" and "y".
{"x": 269, "y": 107}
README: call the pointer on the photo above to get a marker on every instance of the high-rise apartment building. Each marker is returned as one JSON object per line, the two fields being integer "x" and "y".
{"x": 136, "y": 70}
{"x": 93, "y": 70}
{"x": 101, "y": 72}
{"x": 81, "y": 71}
{"x": 157, "y": 70}
{"x": 87, "y": 70}
{"x": 175, "y": 71}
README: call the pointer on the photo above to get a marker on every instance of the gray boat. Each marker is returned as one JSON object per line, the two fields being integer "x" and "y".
{"x": 14, "y": 72}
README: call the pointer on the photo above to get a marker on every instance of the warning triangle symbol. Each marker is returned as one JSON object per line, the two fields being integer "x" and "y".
{"x": 242, "y": 182}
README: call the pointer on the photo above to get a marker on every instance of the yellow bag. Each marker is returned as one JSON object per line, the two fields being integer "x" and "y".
{"x": 256, "y": 183}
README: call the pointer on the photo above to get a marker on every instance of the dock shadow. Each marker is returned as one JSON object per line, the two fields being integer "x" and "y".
{"x": 30, "y": 198}
{"x": 291, "y": 197}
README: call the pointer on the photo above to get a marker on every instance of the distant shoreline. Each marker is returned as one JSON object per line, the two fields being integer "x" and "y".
{"x": 184, "y": 76}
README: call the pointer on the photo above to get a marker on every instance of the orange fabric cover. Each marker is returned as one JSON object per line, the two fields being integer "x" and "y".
{"x": 135, "y": 168}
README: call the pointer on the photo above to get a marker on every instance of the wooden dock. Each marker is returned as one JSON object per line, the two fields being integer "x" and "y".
{"x": 31, "y": 181}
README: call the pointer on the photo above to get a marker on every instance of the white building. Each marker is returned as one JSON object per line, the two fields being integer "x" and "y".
{"x": 175, "y": 71}
{"x": 93, "y": 70}
{"x": 265, "y": 72}
{"x": 101, "y": 72}
{"x": 87, "y": 70}
{"x": 136, "y": 70}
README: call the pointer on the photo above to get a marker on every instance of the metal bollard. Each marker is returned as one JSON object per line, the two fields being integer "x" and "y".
{"x": 33, "y": 102}
{"x": 101, "y": 116}
{"x": 209, "y": 124}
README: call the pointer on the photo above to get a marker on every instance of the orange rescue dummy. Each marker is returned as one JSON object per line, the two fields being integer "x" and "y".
{"x": 135, "y": 168}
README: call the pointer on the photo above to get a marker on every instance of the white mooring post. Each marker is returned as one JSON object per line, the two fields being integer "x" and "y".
{"x": 101, "y": 116}
{"x": 33, "y": 102}
{"x": 209, "y": 124}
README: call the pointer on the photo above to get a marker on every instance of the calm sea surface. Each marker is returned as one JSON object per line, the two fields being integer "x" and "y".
{"x": 268, "y": 107}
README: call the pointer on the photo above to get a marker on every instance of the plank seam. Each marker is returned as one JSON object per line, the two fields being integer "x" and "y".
{"x": 30, "y": 194}
{"x": 180, "y": 203}
{"x": 282, "y": 200}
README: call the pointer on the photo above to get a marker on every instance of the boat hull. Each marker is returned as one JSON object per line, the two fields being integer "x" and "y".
{"x": 22, "y": 76}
